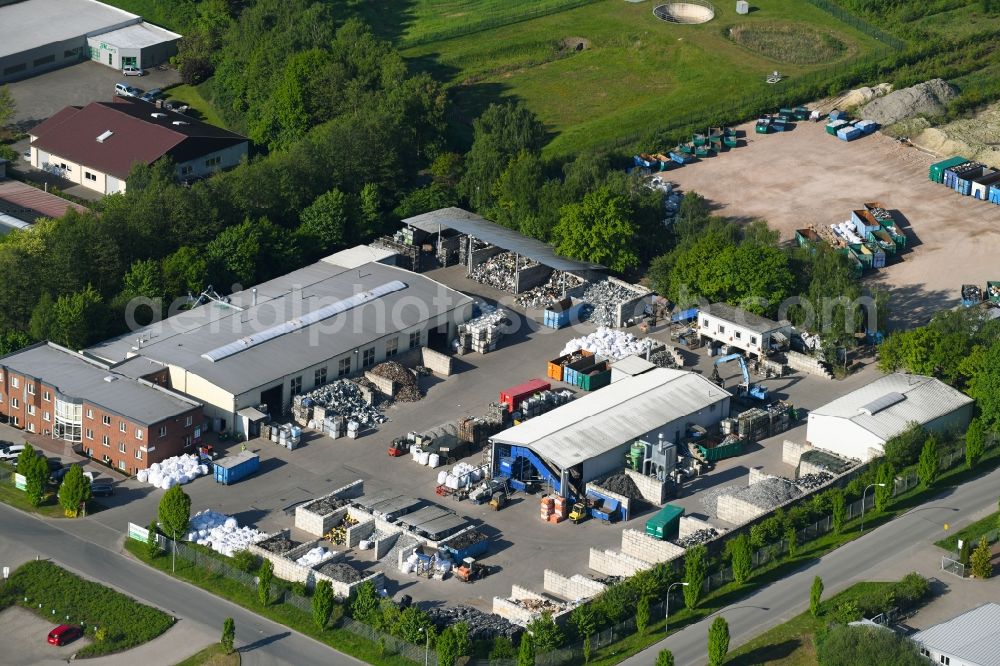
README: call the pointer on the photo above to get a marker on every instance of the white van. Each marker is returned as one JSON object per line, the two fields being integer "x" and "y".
{"x": 11, "y": 452}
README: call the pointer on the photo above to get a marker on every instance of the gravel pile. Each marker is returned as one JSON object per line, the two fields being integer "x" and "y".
{"x": 326, "y": 505}
{"x": 482, "y": 626}
{"x": 929, "y": 98}
{"x": 466, "y": 539}
{"x": 279, "y": 544}
{"x": 699, "y": 537}
{"x": 551, "y": 292}
{"x": 345, "y": 573}
{"x": 710, "y": 497}
{"x": 406, "y": 382}
{"x": 813, "y": 481}
{"x": 498, "y": 271}
{"x": 402, "y": 543}
{"x": 768, "y": 493}
{"x": 605, "y": 297}
{"x": 622, "y": 484}
{"x": 344, "y": 398}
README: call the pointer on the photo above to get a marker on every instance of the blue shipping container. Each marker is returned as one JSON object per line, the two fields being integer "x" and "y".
{"x": 236, "y": 467}
{"x": 848, "y": 134}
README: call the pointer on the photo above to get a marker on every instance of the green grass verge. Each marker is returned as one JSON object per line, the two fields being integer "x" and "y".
{"x": 290, "y": 616}
{"x": 774, "y": 571}
{"x": 122, "y": 622}
{"x": 970, "y": 534}
{"x": 793, "y": 43}
{"x": 176, "y": 16}
{"x": 197, "y": 98}
{"x": 49, "y": 508}
{"x": 632, "y": 74}
{"x": 213, "y": 655}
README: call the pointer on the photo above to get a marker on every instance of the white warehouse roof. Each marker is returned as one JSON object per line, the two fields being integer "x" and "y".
{"x": 888, "y": 405}
{"x": 973, "y": 636}
{"x": 34, "y": 23}
{"x": 601, "y": 421}
{"x": 138, "y": 36}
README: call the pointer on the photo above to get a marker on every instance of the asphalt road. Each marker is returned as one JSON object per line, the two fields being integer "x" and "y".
{"x": 783, "y": 600}
{"x": 261, "y": 641}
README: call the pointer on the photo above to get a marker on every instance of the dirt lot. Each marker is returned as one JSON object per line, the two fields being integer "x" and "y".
{"x": 806, "y": 176}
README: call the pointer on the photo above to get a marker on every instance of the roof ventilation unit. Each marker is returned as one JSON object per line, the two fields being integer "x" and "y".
{"x": 179, "y": 122}
{"x": 102, "y": 138}
{"x": 157, "y": 114}
{"x": 884, "y": 402}
{"x": 110, "y": 378}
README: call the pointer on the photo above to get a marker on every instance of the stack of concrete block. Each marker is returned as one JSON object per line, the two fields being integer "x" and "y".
{"x": 807, "y": 364}
{"x": 791, "y": 452}
{"x": 736, "y": 511}
{"x": 644, "y": 547}
{"x": 652, "y": 490}
{"x": 319, "y": 523}
{"x": 438, "y": 363}
{"x": 384, "y": 385}
{"x": 575, "y": 588}
{"x": 613, "y": 563}
{"x": 363, "y": 529}
{"x": 689, "y": 525}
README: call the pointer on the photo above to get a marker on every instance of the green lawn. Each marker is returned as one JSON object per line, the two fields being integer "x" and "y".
{"x": 290, "y": 616}
{"x": 634, "y": 72}
{"x": 971, "y": 534}
{"x": 49, "y": 507}
{"x": 174, "y": 16}
{"x": 121, "y": 622}
{"x": 193, "y": 96}
{"x": 213, "y": 655}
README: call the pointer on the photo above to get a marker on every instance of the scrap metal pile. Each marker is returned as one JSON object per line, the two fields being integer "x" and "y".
{"x": 609, "y": 343}
{"x": 278, "y": 544}
{"x": 406, "y": 382}
{"x": 498, "y": 271}
{"x": 482, "y": 626}
{"x": 326, "y": 505}
{"x": 622, "y": 484}
{"x": 483, "y": 333}
{"x": 345, "y": 573}
{"x": 605, "y": 297}
{"x": 466, "y": 539}
{"x": 698, "y": 537}
{"x": 813, "y": 481}
{"x": 343, "y": 398}
{"x": 544, "y": 295}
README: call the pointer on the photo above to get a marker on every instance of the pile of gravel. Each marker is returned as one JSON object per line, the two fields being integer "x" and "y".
{"x": 698, "y": 537}
{"x": 812, "y": 481}
{"x": 623, "y": 485}
{"x": 768, "y": 493}
{"x": 482, "y": 626}
{"x": 929, "y": 98}
{"x": 345, "y": 573}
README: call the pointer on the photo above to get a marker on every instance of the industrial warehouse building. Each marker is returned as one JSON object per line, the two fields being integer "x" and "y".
{"x": 264, "y": 345}
{"x": 971, "y": 639}
{"x": 858, "y": 424}
{"x": 589, "y": 437}
{"x": 127, "y": 423}
{"x": 97, "y": 145}
{"x": 39, "y": 35}
{"x": 744, "y": 330}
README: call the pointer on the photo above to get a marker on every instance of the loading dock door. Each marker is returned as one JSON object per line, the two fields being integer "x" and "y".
{"x": 274, "y": 399}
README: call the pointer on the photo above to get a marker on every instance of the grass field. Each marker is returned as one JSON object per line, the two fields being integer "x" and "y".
{"x": 971, "y": 534}
{"x": 793, "y": 43}
{"x": 634, "y": 71}
{"x": 201, "y": 108}
{"x": 213, "y": 655}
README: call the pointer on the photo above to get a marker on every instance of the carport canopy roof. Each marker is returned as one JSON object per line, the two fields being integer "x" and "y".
{"x": 479, "y": 227}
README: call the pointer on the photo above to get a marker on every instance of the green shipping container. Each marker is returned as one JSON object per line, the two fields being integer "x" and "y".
{"x": 599, "y": 377}
{"x": 665, "y": 523}
{"x": 721, "y": 451}
{"x": 698, "y": 139}
{"x": 897, "y": 235}
{"x": 936, "y": 172}
{"x": 993, "y": 291}
{"x": 731, "y": 141}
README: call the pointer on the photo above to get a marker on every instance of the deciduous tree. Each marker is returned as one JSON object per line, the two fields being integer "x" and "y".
{"x": 228, "y": 635}
{"x": 74, "y": 491}
{"x": 322, "y": 604}
{"x": 526, "y": 651}
{"x": 175, "y": 511}
{"x": 981, "y": 559}
{"x": 599, "y": 229}
{"x": 718, "y": 641}
{"x": 740, "y": 557}
{"x": 929, "y": 465}
{"x": 815, "y": 596}
{"x": 265, "y": 576}
{"x": 975, "y": 442}
{"x": 665, "y": 658}
{"x": 695, "y": 569}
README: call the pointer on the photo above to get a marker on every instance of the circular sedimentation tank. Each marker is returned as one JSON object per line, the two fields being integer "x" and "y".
{"x": 685, "y": 12}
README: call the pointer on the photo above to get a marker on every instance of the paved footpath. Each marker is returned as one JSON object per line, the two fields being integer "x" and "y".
{"x": 883, "y": 553}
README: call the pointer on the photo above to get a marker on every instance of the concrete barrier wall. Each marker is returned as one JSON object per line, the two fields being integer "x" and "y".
{"x": 319, "y": 524}
{"x": 439, "y": 364}
{"x": 689, "y": 525}
{"x": 625, "y": 502}
{"x": 576, "y": 588}
{"x": 508, "y": 610}
{"x": 791, "y": 452}
{"x": 807, "y": 364}
{"x": 479, "y": 256}
{"x": 343, "y": 590}
{"x": 532, "y": 276}
{"x": 736, "y": 511}
{"x": 757, "y": 475}
{"x": 611, "y": 563}
{"x": 646, "y": 548}
{"x": 634, "y": 306}
{"x": 652, "y": 490}
{"x": 364, "y": 529}
{"x": 384, "y": 385}
{"x": 385, "y": 544}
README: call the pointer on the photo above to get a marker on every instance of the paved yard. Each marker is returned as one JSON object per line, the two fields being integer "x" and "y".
{"x": 23, "y": 639}
{"x": 805, "y": 176}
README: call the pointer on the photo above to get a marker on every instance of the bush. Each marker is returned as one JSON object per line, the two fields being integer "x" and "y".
{"x": 904, "y": 449}
{"x": 122, "y": 621}
{"x": 848, "y": 646}
{"x": 228, "y": 635}
{"x": 245, "y": 561}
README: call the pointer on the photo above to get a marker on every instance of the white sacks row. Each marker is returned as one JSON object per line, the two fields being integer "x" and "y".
{"x": 462, "y": 475}
{"x": 315, "y": 556}
{"x": 171, "y": 472}
{"x": 608, "y": 343}
{"x": 432, "y": 460}
{"x": 221, "y": 533}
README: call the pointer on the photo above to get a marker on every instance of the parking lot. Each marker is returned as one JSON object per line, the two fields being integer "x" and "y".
{"x": 23, "y": 639}
{"x": 522, "y": 545}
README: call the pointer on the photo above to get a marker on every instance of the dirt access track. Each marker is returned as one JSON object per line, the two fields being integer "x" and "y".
{"x": 805, "y": 176}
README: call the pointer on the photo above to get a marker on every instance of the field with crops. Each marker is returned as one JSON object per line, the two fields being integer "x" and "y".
{"x": 596, "y": 71}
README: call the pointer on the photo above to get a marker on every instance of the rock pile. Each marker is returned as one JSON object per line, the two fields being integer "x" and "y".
{"x": 929, "y": 98}
{"x": 623, "y": 485}
{"x": 543, "y": 296}
{"x": 482, "y": 626}
{"x": 698, "y": 537}
{"x": 278, "y": 544}
{"x": 498, "y": 271}
{"x": 812, "y": 481}
{"x": 345, "y": 573}
{"x": 406, "y": 382}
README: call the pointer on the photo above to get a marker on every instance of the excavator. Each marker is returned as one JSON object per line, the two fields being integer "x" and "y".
{"x": 753, "y": 390}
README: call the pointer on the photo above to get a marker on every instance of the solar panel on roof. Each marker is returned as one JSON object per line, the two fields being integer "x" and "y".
{"x": 886, "y": 401}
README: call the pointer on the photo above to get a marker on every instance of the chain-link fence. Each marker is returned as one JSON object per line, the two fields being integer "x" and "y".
{"x": 390, "y": 645}
{"x": 858, "y": 23}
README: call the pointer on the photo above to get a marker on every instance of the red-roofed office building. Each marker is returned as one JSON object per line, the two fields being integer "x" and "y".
{"x": 97, "y": 145}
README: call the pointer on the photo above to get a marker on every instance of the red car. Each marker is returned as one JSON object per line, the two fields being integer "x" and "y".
{"x": 63, "y": 634}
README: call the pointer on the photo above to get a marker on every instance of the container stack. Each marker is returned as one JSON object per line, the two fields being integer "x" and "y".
{"x": 483, "y": 333}
{"x": 548, "y": 508}
{"x": 753, "y": 425}
{"x": 540, "y": 403}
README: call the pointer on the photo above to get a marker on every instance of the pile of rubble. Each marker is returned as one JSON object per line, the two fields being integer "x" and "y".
{"x": 768, "y": 493}
{"x": 605, "y": 297}
{"x": 539, "y": 605}
{"x": 813, "y": 481}
{"x": 663, "y": 359}
{"x": 698, "y": 537}
{"x": 466, "y": 539}
{"x": 344, "y": 398}
{"x": 543, "y": 296}
{"x": 326, "y": 505}
{"x": 404, "y": 542}
{"x": 278, "y": 544}
{"x": 609, "y": 344}
{"x": 345, "y": 573}
{"x": 622, "y": 484}
{"x": 498, "y": 271}
{"x": 482, "y": 626}
{"x": 406, "y": 382}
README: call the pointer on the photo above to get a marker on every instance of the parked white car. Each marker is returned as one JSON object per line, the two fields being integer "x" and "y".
{"x": 132, "y": 70}
{"x": 11, "y": 452}
{"x": 125, "y": 90}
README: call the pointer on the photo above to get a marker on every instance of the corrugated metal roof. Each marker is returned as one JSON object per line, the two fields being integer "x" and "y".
{"x": 603, "y": 420}
{"x": 973, "y": 636}
{"x": 633, "y": 365}
{"x": 479, "y": 227}
{"x": 743, "y": 318}
{"x": 925, "y": 399}
{"x": 29, "y": 203}
{"x": 138, "y": 36}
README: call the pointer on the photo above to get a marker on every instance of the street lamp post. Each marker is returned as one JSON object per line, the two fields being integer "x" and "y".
{"x": 869, "y": 486}
{"x": 666, "y": 618}
{"x": 427, "y": 645}
{"x": 173, "y": 551}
